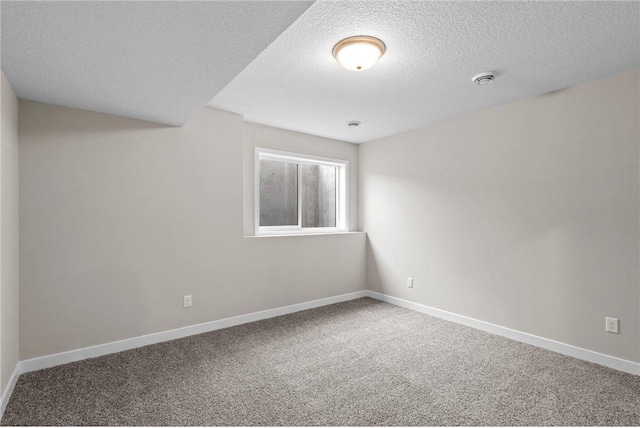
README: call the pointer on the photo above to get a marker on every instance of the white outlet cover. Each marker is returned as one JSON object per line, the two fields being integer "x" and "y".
{"x": 187, "y": 301}
{"x": 410, "y": 282}
{"x": 612, "y": 325}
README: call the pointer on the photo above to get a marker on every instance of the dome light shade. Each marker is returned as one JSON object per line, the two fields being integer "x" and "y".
{"x": 359, "y": 53}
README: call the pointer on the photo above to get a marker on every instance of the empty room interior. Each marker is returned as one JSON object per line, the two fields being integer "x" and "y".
{"x": 329, "y": 213}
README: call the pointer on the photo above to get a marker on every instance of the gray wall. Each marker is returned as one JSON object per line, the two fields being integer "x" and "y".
{"x": 278, "y": 193}
{"x": 279, "y": 139}
{"x": 8, "y": 235}
{"x": 525, "y": 215}
{"x": 120, "y": 218}
{"x": 319, "y": 192}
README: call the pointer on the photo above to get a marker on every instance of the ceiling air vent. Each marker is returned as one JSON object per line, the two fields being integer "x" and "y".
{"x": 484, "y": 78}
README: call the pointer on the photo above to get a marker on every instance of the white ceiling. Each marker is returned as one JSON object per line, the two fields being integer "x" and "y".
{"x": 158, "y": 61}
{"x": 271, "y": 61}
{"x": 433, "y": 50}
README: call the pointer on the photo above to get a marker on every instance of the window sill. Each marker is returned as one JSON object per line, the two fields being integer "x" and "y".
{"x": 290, "y": 235}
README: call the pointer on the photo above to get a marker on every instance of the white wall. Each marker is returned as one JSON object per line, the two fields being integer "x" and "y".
{"x": 120, "y": 218}
{"x": 525, "y": 215}
{"x": 8, "y": 234}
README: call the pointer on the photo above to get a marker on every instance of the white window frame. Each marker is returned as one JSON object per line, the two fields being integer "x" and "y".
{"x": 342, "y": 188}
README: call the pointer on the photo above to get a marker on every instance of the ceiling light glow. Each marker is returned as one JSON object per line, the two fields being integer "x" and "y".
{"x": 359, "y": 53}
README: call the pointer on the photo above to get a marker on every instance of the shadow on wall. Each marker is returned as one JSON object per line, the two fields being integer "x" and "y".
{"x": 56, "y": 118}
{"x": 372, "y": 279}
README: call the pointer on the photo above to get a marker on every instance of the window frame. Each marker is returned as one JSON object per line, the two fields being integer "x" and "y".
{"x": 342, "y": 190}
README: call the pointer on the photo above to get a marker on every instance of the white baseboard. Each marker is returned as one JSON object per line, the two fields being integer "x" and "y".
{"x": 149, "y": 339}
{"x": 137, "y": 342}
{"x": 6, "y": 395}
{"x": 541, "y": 342}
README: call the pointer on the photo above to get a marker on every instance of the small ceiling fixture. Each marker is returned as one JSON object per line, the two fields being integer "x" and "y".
{"x": 359, "y": 53}
{"x": 484, "y": 78}
{"x": 353, "y": 124}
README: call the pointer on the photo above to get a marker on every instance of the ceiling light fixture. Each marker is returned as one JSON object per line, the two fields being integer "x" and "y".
{"x": 484, "y": 78}
{"x": 359, "y": 53}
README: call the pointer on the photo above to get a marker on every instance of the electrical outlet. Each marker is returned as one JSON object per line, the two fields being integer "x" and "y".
{"x": 410, "y": 282}
{"x": 611, "y": 325}
{"x": 187, "y": 301}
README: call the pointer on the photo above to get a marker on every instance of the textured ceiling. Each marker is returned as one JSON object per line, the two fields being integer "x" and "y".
{"x": 158, "y": 61}
{"x": 433, "y": 50}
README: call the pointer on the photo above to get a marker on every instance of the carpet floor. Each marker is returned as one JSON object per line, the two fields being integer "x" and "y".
{"x": 361, "y": 362}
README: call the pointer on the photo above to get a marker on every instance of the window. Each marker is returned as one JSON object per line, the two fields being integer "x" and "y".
{"x": 299, "y": 194}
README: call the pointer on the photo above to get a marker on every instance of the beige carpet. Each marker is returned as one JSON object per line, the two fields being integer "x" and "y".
{"x": 356, "y": 363}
